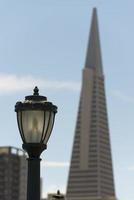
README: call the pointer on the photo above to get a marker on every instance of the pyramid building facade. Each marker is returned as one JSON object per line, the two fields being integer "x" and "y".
{"x": 91, "y": 171}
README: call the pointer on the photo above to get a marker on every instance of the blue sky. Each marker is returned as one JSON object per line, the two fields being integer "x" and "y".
{"x": 44, "y": 43}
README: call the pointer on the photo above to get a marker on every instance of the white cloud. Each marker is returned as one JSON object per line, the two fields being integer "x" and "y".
{"x": 131, "y": 168}
{"x": 13, "y": 83}
{"x": 54, "y": 164}
{"x": 122, "y": 96}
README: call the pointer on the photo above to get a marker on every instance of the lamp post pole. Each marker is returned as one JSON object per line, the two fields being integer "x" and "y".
{"x": 33, "y": 184}
{"x": 35, "y": 117}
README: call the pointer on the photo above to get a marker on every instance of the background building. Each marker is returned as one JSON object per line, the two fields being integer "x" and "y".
{"x": 91, "y": 172}
{"x": 50, "y": 196}
{"x": 13, "y": 174}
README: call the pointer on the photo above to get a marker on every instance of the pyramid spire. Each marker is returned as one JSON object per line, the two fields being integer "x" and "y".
{"x": 93, "y": 57}
{"x": 91, "y": 171}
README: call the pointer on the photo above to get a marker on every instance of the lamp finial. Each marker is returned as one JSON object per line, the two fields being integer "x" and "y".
{"x": 36, "y": 91}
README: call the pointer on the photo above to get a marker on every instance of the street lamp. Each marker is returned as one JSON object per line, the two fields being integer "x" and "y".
{"x": 35, "y": 117}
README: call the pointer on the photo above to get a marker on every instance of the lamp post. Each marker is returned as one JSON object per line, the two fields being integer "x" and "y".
{"x": 35, "y": 117}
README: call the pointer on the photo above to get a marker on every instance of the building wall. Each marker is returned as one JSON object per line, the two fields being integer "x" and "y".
{"x": 13, "y": 173}
{"x": 23, "y": 178}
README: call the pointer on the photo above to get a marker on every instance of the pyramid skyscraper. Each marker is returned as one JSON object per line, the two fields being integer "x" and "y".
{"x": 91, "y": 171}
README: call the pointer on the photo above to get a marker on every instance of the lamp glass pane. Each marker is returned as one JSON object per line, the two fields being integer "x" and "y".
{"x": 49, "y": 129}
{"x": 32, "y": 122}
{"x": 46, "y": 123}
{"x": 19, "y": 124}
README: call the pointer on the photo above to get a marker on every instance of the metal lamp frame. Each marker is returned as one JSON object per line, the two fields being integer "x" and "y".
{"x": 34, "y": 150}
